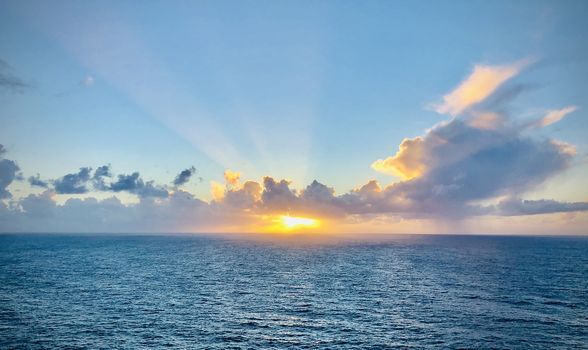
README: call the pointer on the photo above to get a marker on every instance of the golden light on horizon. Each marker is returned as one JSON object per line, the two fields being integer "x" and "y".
{"x": 293, "y": 222}
{"x": 290, "y": 224}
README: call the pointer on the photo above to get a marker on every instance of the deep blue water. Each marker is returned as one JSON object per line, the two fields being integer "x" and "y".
{"x": 60, "y": 291}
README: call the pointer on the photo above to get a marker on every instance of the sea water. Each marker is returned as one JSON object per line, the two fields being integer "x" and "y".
{"x": 230, "y": 292}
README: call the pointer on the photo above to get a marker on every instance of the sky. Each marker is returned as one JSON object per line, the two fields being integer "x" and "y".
{"x": 225, "y": 116}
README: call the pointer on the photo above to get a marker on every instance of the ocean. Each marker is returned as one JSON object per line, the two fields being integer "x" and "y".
{"x": 233, "y": 292}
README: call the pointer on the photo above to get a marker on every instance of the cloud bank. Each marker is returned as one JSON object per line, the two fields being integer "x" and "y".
{"x": 479, "y": 163}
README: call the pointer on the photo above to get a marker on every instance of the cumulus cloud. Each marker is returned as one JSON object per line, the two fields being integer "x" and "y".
{"x": 75, "y": 183}
{"x": 479, "y": 85}
{"x": 482, "y": 155}
{"x": 184, "y": 176}
{"x": 217, "y": 190}
{"x": 459, "y": 164}
{"x": 463, "y": 167}
{"x": 9, "y": 81}
{"x": 232, "y": 177}
{"x": 36, "y": 181}
{"x": 248, "y": 196}
{"x": 100, "y": 174}
{"x": 8, "y": 173}
{"x": 407, "y": 163}
{"x": 277, "y": 195}
{"x": 134, "y": 184}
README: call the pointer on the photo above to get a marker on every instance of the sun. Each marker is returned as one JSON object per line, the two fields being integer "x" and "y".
{"x": 292, "y": 222}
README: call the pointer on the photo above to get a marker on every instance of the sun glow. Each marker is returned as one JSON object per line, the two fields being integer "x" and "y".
{"x": 292, "y": 222}
{"x": 287, "y": 224}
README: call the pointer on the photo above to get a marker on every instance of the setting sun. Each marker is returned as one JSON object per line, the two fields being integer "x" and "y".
{"x": 293, "y": 222}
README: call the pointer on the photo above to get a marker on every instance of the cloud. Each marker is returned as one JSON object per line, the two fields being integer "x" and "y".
{"x": 134, "y": 184}
{"x": 248, "y": 196}
{"x": 277, "y": 195}
{"x": 217, "y": 190}
{"x": 553, "y": 116}
{"x": 232, "y": 177}
{"x": 75, "y": 183}
{"x": 456, "y": 164}
{"x": 9, "y": 81}
{"x": 461, "y": 168}
{"x": 184, "y": 176}
{"x": 407, "y": 163}
{"x": 36, "y": 181}
{"x": 180, "y": 212}
{"x": 8, "y": 173}
{"x": 487, "y": 120}
{"x": 480, "y": 84}
{"x": 100, "y": 174}
{"x": 517, "y": 206}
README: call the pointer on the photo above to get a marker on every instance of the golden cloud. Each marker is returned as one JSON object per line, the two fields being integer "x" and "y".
{"x": 480, "y": 84}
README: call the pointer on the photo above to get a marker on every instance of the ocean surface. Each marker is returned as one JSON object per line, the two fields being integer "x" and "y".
{"x": 418, "y": 292}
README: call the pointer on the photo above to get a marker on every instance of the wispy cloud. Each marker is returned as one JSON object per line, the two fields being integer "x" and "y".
{"x": 480, "y": 84}
{"x": 553, "y": 116}
{"x": 9, "y": 81}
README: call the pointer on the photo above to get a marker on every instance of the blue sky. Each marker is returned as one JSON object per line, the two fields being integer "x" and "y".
{"x": 292, "y": 89}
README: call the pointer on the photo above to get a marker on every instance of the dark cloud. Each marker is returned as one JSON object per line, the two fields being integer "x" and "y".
{"x": 134, "y": 184}
{"x": 319, "y": 193}
{"x": 321, "y": 199}
{"x": 247, "y": 196}
{"x": 100, "y": 174}
{"x": 277, "y": 195}
{"x": 102, "y": 171}
{"x": 73, "y": 183}
{"x": 37, "y": 182}
{"x": 184, "y": 176}
{"x": 9, "y": 81}
{"x": 8, "y": 173}
{"x": 515, "y": 207}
